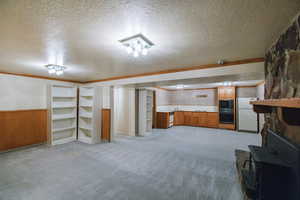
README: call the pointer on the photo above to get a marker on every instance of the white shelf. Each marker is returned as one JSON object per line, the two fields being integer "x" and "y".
{"x": 63, "y": 105}
{"x": 87, "y": 95}
{"x": 60, "y": 117}
{"x": 86, "y": 105}
{"x": 87, "y": 91}
{"x": 60, "y": 107}
{"x": 85, "y": 139}
{"x": 63, "y": 129}
{"x": 64, "y": 96}
{"x": 89, "y": 130}
{"x": 86, "y": 128}
{"x": 85, "y": 115}
{"x": 64, "y": 140}
{"x": 145, "y": 112}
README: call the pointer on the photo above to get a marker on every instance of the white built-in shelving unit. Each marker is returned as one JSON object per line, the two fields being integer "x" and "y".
{"x": 63, "y": 114}
{"x": 145, "y": 112}
{"x": 89, "y": 129}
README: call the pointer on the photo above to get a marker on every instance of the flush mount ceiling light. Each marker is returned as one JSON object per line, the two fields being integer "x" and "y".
{"x": 227, "y": 83}
{"x": 180, "y": 86}
{"x": 137, "y": 45}
{"x": 55, "y": 69}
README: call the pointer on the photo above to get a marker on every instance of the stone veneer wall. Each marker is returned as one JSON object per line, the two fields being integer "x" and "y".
{"x": 282, "y": 67}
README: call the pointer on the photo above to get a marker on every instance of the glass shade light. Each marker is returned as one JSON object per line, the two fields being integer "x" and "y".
{"x": 180, "y": 86}
{"x": 55, "y": 69}
{"x": 137, "y": 45}
{"x": 51, "y": 71}
{"x": 227, "y": 83}
{"x": 58, "y": 73}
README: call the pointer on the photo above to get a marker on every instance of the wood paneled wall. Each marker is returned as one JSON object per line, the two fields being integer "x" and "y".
{"x": 22, "y": 127}
{"x": 106, "y": 124}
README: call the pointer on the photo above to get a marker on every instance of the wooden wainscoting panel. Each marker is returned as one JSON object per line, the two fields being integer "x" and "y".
{"x": 22, "y": 128}
{"x": 106, "y": 124}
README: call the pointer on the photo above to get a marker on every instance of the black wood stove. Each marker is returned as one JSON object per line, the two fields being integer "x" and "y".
{"x": 273, "y": 172}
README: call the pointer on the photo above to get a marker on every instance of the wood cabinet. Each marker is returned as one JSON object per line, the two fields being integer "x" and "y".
{"x": 178, "y": 118}
{"x": 227, "y": 126}
{"x": 195, "y": 119}
{"x": 212, "y": 120}
{"x": 162, "y": 119}
{"x": 226, "y": 92}
{"x": 200, "y": 119}
{"x": 106, "y": 125}
{"x": 188, "y": 118}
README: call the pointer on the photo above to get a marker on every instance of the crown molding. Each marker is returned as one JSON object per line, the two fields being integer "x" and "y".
{"x": 206, "y": 66}
{"x": 40, "y": 77}
{"x": 168, "y": 71}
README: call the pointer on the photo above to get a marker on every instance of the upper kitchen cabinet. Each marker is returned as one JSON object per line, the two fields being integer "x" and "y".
{"x": 226, "y": 92}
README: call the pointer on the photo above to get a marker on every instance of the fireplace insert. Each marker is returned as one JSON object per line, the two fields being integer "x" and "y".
{"x": 273, "y": 172}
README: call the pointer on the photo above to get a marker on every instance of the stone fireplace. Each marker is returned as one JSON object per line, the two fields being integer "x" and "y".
{"x": 280, "y": 151}
{"x": 282, "y": 69}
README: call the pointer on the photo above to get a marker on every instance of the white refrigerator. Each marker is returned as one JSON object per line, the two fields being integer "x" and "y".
{"x": 247, "y": 118}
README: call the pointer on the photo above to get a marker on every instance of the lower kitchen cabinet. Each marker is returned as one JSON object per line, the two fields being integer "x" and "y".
{"x": 201, "y": 119}
{"x": 227, "y": 126}
{"x": 188, "y": 118}
{"x": 195, "y": 119}
{"x": 212, "y": 120}
{"x": 162, "y": 120}
{"x": 178, "y": 118}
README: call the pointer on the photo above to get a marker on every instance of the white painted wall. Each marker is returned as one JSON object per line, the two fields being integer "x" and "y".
{"x": 106, "y": 98}
{"x": 124, "y": 111}
{"x": 18, "y": 92}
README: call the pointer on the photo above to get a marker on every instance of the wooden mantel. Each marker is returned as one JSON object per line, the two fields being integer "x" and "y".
{"x": 287, "y": 108}
{"x": 287, "y": 102}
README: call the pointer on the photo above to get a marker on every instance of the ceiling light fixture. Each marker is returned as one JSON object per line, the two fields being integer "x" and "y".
{"x": 55, "y": 69}
{"x": 180, "y": 86}
{"x": 221, "y": 62}
{"x": 137, "y": 45}
{"x": 227, "y": 83}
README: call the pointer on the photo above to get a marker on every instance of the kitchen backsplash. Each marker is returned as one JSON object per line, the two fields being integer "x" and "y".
{"x": 171, "y": 108}
{"x": 207, "y": 97}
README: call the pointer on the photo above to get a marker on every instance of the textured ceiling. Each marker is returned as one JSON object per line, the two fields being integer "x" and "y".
{"x": 83, "y": 35}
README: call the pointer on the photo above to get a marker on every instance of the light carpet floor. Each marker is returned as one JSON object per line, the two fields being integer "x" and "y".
{"x": 180, "y": 163}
